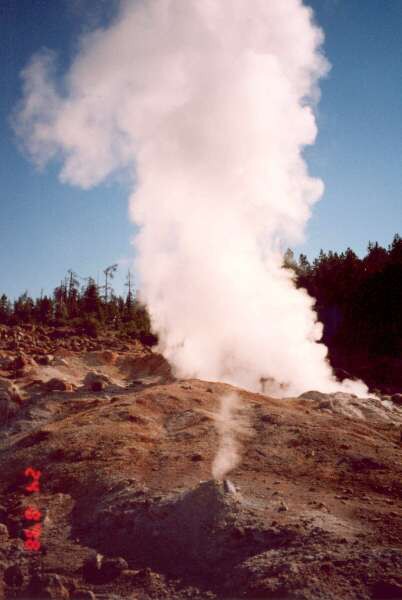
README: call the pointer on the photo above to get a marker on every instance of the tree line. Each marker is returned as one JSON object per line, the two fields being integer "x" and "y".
{"x": 359, "y": 300}
{"x": 84, "y": 304}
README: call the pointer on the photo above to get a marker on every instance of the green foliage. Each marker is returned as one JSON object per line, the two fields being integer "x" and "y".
{"x": 359, "y": 301}
{"x": 44, "y": 310}
{"x": 91, "y": 303}
{"x": 23, "y": 309}
{"x": 5, "y": 310}
{"x": 88, "y": 326}
{"x": 89, "y": 309}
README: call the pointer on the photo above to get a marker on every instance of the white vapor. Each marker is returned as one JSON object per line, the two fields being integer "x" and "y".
{"x": 232, "y": 426}
{"x": 209, "y": 104}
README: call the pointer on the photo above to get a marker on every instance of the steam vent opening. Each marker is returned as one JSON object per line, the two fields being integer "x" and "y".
{"x": 197, "y": 532}
{"x": 229, "y": 487}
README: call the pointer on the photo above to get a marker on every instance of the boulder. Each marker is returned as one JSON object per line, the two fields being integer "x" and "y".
{"x": 60, "y": 362}
{"x": 58, "y": 385}
{"x": 112, "y": 567}
{"x": 96, "y": 382}
{"x": 109, "y": 357}
{"x": 23, "y": 362}
{"x": 397, "y": 399}
{"x": 91, "y": 569}
{"x": 45, "y": 360}
{"x": 20, "y": 362}
{"x": 147, "y": 364}
{"x": 314, "y": 395}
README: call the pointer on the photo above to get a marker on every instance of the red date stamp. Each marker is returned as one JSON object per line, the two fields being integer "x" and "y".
{"x": 32, "y": 513}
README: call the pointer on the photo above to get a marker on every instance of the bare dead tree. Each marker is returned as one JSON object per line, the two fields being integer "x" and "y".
{"x": 109, "y": 274}
{"x": 72, "y": 282}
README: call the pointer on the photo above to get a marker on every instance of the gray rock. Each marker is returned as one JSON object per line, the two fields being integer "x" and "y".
{"x": 91, "y": 569}
{"x": 192, "y": 531}
{"x": 397, "y": 399}
{"x": 58, "y": 385}
{"x": 60, "y": 362}
{"x": 46, "y": 359}
{"x": 112, "y": 567}
{"x": 96, "y": 382}
{"x": 314, "y": 395}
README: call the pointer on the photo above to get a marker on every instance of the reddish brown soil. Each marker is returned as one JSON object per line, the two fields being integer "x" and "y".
{"x": 317, "y": 513}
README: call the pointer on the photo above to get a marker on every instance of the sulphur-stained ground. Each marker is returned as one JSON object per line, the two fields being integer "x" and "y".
{"x": 128, "y": 507}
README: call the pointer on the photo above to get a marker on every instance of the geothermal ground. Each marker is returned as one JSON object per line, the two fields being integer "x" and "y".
{"x": 128, "y": 508}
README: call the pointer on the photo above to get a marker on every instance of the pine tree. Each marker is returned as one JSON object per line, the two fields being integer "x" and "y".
{"x": 24, "y": 308}
{"x": 130, "y": 299}
{"x": 72, "y": 294}
{"x": 5, "y": 310}
{"x": 91, "y": 302}
{"x": 44, "y": 310}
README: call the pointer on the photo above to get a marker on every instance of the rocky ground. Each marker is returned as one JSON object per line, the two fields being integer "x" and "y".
{"x": 128, "y": 507}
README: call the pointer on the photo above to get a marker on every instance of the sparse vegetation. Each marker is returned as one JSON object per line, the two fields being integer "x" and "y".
{"x": 89, "y": 308}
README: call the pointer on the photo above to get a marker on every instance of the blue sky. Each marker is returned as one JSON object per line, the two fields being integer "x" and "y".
{"x": 47, "y": 228}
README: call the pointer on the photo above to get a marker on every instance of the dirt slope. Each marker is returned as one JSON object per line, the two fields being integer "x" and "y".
{"x": 129, "y": 509}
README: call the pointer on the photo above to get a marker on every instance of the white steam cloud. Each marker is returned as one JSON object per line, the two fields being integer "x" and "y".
{"x": 209, "y": 104}
{"x": 232, "y": 426}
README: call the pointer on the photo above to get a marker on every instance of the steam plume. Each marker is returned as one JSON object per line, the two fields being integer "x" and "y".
{"x": 232, "y": 426}
{"x": 209, "y": 103}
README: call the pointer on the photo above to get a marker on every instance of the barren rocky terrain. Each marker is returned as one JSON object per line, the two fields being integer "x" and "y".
{"x": 129, "y": 509}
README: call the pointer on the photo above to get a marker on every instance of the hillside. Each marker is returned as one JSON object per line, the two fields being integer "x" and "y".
{"x": 128, "y": 507}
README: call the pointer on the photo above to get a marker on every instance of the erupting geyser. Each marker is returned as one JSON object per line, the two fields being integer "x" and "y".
{"x": 210, "y": 103}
